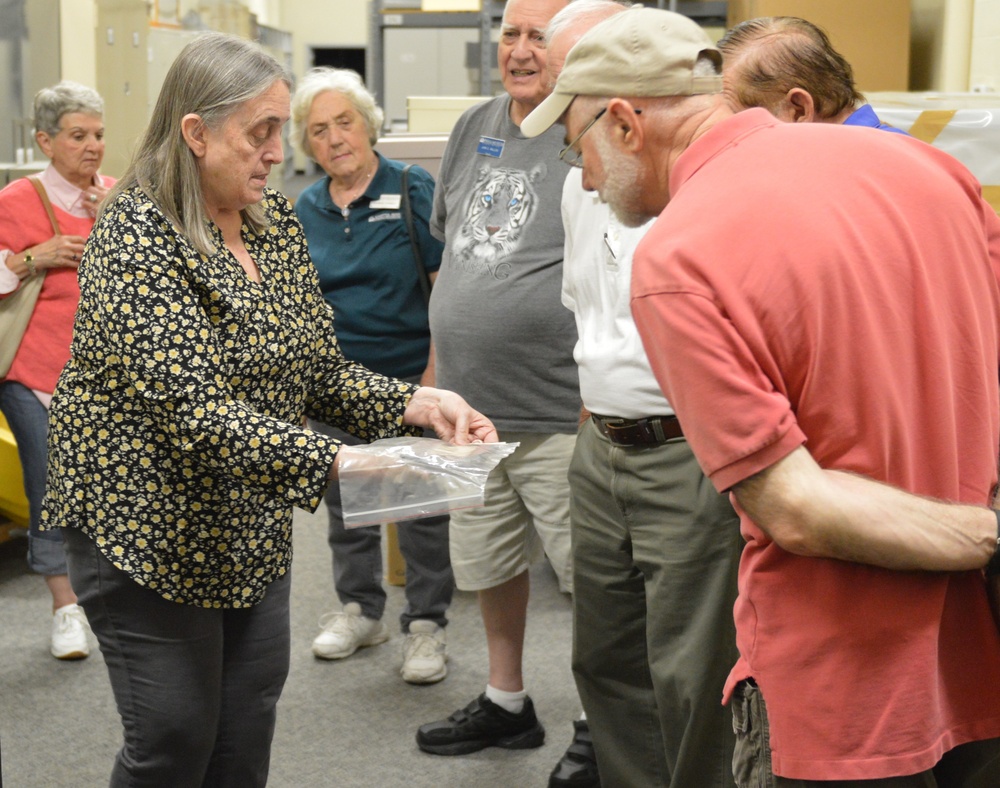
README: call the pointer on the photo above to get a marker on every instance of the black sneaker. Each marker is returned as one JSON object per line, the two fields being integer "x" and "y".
{"x": 482, "y": 724}
{"x": 578, "y": 766}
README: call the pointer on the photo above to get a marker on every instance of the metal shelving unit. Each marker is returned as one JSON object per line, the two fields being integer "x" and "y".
{"x": 387, "y": 16}
{"x": 383, "y": 18}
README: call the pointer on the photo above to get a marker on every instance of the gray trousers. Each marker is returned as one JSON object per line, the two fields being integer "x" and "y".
{"x": 655, "y": 556}
{"x": 357, "y": 559}
{"x": 196, "y": 687}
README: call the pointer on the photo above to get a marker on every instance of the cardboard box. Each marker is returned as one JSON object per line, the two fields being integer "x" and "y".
{"x": 873, "y": 35}
{"x": 429, "y": 114}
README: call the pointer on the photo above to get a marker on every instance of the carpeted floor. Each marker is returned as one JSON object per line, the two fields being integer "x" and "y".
{"x": 346, "y": 724}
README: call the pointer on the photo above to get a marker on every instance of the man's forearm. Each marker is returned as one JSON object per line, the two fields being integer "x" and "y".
{"x": 830, "y": 514}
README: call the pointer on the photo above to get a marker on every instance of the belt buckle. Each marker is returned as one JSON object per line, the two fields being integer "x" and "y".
{"x": 608, "y": 426}
{"x": 625, "y": 432}
{"x": 606, "y": 422}
{"x": 655, "y": 426}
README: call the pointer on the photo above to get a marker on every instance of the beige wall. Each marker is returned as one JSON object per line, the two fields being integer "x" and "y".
{"x": 332, "y": 23}
{"x": 77, "y": 50}
{"x": 984, "y": 70}
{"x": 268, "y": 11}
{"x": 940, "y": 44}
{"x": 956, "y": 45}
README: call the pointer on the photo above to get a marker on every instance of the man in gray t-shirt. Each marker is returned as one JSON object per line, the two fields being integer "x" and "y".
{"x": 503, "y": 339}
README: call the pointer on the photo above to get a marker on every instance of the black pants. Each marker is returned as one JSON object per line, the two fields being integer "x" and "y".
{"x": 196, "y": 688}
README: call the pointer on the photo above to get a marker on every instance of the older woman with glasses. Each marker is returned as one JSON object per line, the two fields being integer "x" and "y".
{"x": 202, "y": 343}
{"x": 69, "y": 123}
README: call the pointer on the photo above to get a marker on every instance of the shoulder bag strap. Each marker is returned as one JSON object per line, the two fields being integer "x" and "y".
{"x": 44, "y": 197}
{"x": 407, "y": 211}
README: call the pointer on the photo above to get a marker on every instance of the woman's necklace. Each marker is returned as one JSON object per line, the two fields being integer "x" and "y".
{"x": 354, "y": 193}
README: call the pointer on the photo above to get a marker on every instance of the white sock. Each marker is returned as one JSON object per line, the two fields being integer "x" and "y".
{"x": 509, "y": 701}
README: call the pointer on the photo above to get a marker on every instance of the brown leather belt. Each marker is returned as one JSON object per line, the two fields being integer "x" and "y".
{"x": 638, "y": 432}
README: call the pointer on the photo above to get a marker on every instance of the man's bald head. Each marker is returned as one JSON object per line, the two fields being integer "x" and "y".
{"x": 768, "y": 58}
{"x": 569, "y": 25}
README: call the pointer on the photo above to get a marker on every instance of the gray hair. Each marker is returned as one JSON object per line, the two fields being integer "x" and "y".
{"x": 578, "y": 11}
{"x": 212, "y": 77}
{"x": 62, "y": 99}
{"x": 347, "y": 83}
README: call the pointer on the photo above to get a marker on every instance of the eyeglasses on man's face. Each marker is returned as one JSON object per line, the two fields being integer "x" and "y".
{"x": 571, "y": 154}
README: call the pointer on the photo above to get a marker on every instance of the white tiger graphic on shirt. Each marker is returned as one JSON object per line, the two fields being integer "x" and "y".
{"x": 502, "y": 203}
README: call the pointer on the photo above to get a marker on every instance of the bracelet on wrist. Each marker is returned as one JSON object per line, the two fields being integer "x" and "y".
{"x": 29, "y": 263}
{"x": 993, "y": 567}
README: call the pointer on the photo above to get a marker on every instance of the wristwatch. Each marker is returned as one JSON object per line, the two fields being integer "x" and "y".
{"x": 29, "y": 263}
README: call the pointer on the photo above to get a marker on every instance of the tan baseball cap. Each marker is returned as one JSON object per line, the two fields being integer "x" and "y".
{"x": 641, "y": 52}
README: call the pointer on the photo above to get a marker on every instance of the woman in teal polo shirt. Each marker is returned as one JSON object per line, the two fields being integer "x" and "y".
{"x": 359, "y": 242}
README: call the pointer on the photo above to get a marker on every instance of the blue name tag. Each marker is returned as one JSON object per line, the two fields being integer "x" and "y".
{"x": 490, "y": 146}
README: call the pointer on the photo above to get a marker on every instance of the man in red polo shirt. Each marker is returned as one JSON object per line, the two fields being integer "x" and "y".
{"x": 821, "y": 306}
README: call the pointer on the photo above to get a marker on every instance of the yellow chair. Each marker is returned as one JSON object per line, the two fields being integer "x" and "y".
{"x": 13, "y": 504}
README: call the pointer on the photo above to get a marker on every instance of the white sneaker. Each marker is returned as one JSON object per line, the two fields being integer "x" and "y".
{"x": 69, "y": 633}
{"x": 424, "y": 656}
{"x": 344, "y": 632}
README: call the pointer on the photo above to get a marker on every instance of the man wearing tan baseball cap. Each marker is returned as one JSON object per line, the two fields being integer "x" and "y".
{"x": 821, "y": 306}
{"x": 632, "y": 64}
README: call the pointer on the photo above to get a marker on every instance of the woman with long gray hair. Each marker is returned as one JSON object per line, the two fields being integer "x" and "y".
{"x": 201, "y": 344}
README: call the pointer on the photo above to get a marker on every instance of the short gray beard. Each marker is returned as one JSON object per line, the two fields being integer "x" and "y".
{"x": 621, "y": 183}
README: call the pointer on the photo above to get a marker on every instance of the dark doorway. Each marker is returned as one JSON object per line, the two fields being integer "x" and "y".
{"x": 340, "y": 57}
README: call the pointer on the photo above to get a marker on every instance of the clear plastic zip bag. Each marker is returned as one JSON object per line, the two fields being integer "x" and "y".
{"x": 403, "y": 478}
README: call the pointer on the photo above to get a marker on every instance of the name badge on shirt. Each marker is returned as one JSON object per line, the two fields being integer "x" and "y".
{"x": 388, "y": 202}
{"x": 490, "y": 146}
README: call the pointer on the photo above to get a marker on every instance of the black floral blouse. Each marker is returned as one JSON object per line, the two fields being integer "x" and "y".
{"x": 176, "y": 440}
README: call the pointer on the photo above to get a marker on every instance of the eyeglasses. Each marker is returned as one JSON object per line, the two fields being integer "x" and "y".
{"x": 570, "y": 154}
